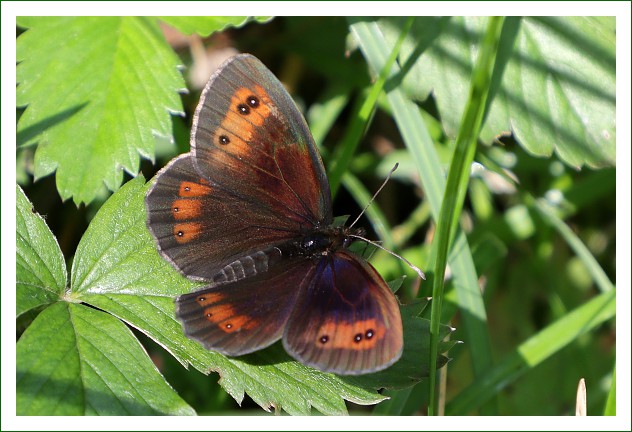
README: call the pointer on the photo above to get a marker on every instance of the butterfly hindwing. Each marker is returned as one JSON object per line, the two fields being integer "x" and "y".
{"x": 244, "y": 315}
{"x": 346, "y": 320}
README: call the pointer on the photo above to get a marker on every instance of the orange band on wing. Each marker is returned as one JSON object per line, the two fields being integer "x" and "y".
{"x": 225, "y": 318}
{"x": 183, "y": 209}
{"x": 185, "y": 232}
{"x": 360, "y": 335}
{"x": 190, "y": 189}
{"x": 239, "y": 125}
{"x": 205, "y": 299}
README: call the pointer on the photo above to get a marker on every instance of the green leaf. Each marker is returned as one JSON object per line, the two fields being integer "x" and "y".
{"x": 40, "y": 267}
{"x": 74, "y": 360}
{"x": 206, "y": 25}
{"x": 117, "y": 268}
{"x": 97, "y": 91}
{"x": 554, "y": 83}
{"x": 273, "y": 379}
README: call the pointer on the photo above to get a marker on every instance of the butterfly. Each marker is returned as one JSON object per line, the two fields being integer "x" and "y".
{"x": 248, "y": 211}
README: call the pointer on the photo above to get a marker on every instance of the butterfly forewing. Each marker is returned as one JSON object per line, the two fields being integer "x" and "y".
{"x": 249, "y": 137}
{"x": 201, "y": 227}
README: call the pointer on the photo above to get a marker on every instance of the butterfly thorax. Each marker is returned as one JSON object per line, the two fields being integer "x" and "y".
{"x": 323, "y": 241}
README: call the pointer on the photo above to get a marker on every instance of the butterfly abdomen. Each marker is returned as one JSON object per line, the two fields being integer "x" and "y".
{"x": 247, "y": 266}
{"x": 314, "y": 245}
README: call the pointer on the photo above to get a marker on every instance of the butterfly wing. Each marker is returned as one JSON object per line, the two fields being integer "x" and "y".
{"x": 201, "y": 228}
{"x": 346, "y": 320}
{"x": 253, "y": 179}
{"x": 248, "y": 136}
{"x": 243, "y": 316}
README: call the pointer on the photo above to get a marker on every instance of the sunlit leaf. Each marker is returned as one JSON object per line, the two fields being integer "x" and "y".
{"x": 97, "y": 90}
{"x": 40, "y": 266}
{"x": 553, "y": 87}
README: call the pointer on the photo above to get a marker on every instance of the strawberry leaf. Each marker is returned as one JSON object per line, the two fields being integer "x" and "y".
{"x": 97, "y": 92}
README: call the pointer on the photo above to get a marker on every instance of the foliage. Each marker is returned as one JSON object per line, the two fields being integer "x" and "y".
{"x": 528, "y": 282}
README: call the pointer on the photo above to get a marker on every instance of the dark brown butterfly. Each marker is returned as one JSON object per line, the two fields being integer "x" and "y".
{"x": 248, "y": 210}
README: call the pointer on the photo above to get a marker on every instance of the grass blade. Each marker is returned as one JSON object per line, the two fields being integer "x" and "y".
{"x": 458, "y": 178}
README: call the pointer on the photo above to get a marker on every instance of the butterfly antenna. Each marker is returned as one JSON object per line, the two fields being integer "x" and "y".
{"x": 411, "y": 265}
{"x": 388, "y": 177}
